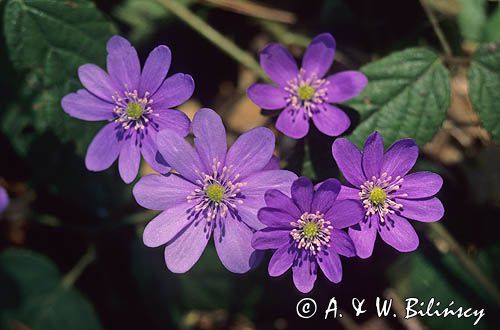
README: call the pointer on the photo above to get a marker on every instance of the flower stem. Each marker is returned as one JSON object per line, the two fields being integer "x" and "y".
{"x": 437, "y": 29}
{"x": 70, "y": 278}
{"x": 437, "y": 230}
{"x": 214, "y": 36}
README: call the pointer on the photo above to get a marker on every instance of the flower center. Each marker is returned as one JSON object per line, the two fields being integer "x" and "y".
{"x": 218, "y": 192}
{"x": 132, "y": 110}
{"x": 215, "y": 192}
{"x": 306, "y": 92}
{"x": 378, "y": 194}
{"x": 311, "y": 232}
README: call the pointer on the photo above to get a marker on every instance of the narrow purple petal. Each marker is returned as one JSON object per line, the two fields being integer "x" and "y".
{"x": 103, "y": 150}
{"x": 281, "y": 261}
{"x": 277, "y": 199}
{"x": 4, "y": 199}
{"x": 251, "y": 151}
{"x": 329, "y": 262}
{"x": 364, "y": 236}
{"x": 304, "y": 273}
{"x": 165, "y": 226}
{"x": 399, "y": 233}
{"x": 173, "y": 119}
{"x": 345, "y": 213}
{"x": 341, "y": 243}
{"x": 345, "y": 85}
{"x": 123, "y": 63}
{"x": 129, "y": 159}
{"x": 184, "y": 250}
{"x": 274, "y": 164}
{"x": 425, "y": 210}
{"x": 156, "y": 192}
{"x": 270, "y": 238}
{"x": 373, "y": 155}
{"x": 331, "y": 120}
{"x": 97, "y": 81}
{"x": 421, "y": 185}
{"x": 233, "y": 244}
{"x": 155, "y": 70}
{"x": 248, "y": 214}
{"x": 302, "y": 194}
{"x": 151, "y": 155}
{"x": 400, "y": 158}
{"x": 83, "y": 105}
{"x": 210, "y": 137}
{"x": 294, "y": 125}
{"x": 325, "y": 196}
{"x": 319, "y": 55}
{"x": 258, "y": 183}
{"x": 348, "y": 159}
{"x": 179, "y": 154}
{"x": 276, "y": 218}
{"x": 278, "y": 63}
{"x": 174, "y": 91}
{"x": 267, "y": 96}
{"x": 348, "y": 193}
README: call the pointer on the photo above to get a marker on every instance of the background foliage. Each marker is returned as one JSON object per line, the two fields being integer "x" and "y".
{"x": 72, "y": 255}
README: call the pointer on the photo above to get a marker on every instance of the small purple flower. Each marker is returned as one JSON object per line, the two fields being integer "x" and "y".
{"x": 137, "y": 105}
{"x": 381, "y": 183}
{"x": 215, "y": 190}
{"x": 306, "y": 231}
{"x": 304, "y": 93}
{"x": 4, "y": 199}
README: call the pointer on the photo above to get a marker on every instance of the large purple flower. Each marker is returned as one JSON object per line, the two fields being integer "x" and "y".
{"x": 4, "y": 199}
{"x": 304, "y": 93}
{"x": 306, "y": 231}
{"x": 137, "y": 105}
{"x": 215, "y": 190}
{"x": 381, "y": 183}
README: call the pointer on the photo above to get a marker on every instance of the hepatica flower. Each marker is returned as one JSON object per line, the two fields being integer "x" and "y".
{"x": 304, "y": 93}
{"x": 215, "y": 190}
{"x": 306, "y": 231}
{"x": 381, "y": 183}
{"x": 137, "y": 104}
{"x": 4, "y": 199}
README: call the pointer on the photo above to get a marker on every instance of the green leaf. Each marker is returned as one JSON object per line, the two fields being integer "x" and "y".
{"x": 484, "y": 86}
{"x": 144, "y": 17}
{"x": 471, "y": 19}
{"x": 407, "y": 95}
{"x": 491, "y": 30}
{"x": 52, "y": 39}
{"x": 32, "y": 294}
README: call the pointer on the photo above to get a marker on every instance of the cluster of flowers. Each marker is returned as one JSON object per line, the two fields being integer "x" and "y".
{"x": 240, "y": 194}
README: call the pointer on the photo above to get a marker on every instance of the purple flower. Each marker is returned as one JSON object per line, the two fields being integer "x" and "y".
{"x": 215, "y": 190}
{"x": 305, "y": 230}
{"x": 4, "y": 199}
{"x": 304, "y": 93}
{"x": 381, "y": 183}
{"x": 137, "y": 105}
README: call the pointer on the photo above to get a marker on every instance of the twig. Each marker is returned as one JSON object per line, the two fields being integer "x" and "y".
{"x": 70, "y": 278}
{"x": 252, "y": 9}
{"x": 437, "y": 230}
{"x": 437, "y": 29}
{"x": 214, "y": 36}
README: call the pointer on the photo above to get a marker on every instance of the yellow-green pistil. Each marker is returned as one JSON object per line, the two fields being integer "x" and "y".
{"x": 305, "y": 92}
{"x": 377, "y": 196}
{"x": 310, "y": 229}
{"x": 215, "y": 192}
{"x": 134, "y": 110}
